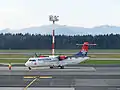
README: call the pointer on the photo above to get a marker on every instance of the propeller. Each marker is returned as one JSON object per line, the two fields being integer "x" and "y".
{"x": 36, "y": 55}
{"x": 86, "y": 44}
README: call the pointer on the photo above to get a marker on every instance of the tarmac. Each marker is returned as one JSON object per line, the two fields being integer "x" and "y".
{"x": 85, "y": 77}
{"x": 47, "y": 88}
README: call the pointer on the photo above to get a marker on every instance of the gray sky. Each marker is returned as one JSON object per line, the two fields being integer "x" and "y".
{"x": 17, "y": 14}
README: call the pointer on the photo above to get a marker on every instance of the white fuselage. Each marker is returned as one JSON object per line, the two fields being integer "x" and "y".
{"x": 53, "y": 61}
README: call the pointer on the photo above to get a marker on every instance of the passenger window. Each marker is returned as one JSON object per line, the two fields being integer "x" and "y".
{"x": 39, "y": 59}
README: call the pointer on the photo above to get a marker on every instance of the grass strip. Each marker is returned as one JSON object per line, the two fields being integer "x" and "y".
{"x": 13, "y": 61}
{"x": 101, "y": 62}
{"x": 64, "y": 50}
{"x": 91, "y": 55}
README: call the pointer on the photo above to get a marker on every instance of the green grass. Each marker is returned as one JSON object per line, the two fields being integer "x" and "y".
{"x": 104, "y": 55}
{"x": 64, "y": 50}
{"x": 13, "y": 61}
{"x": 91, "y": 55}
{"x": 101, "y": 62}
{"x": 105, "y": 50}
{"x": 14, "y": 56}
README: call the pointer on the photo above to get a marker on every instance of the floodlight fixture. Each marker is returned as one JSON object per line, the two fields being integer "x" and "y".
{"x": 53, "y": 18}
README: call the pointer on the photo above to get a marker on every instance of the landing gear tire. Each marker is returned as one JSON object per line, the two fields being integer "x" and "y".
{"x": 29, "y": 68}
{"x": 61, "y": 67}
{"x": 51, "y": 67}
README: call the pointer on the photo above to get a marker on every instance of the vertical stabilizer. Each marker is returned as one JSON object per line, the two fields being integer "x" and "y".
{"x": 83, "y": 51}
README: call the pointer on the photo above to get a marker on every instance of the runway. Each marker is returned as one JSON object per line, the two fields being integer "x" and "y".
{"x": 70, "y": 78}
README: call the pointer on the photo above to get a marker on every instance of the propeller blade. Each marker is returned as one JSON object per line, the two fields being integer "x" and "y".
{"x": 86, "y": 44}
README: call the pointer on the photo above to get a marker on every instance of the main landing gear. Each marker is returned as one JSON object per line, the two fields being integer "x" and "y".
{"x": 61, "y": 67}
{"x": 51, "y": 67}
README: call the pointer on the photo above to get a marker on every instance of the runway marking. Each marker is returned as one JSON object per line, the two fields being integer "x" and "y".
{"x": 28, "y": 77}
{"x": 30, "y": 83}
{"x": 35, "y": 78}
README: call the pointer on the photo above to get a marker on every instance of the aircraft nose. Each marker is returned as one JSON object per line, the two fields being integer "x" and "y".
{"x": 26, "y": 64}
{"x": 88, "y": 57}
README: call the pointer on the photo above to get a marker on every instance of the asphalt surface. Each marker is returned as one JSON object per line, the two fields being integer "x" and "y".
{"x": 72, "y": 77}
{"x": 36, "y": 88}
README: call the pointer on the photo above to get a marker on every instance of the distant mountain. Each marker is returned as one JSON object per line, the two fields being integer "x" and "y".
{"x": 66, "y": 30}
{"x": 7, "y": 30}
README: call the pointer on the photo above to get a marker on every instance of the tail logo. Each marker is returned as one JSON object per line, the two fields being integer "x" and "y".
{"x": 83, "y": 52}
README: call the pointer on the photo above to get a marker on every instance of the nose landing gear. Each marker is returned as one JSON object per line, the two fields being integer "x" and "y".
{"x": 51, "y": 67}
{"x": 29, "y": 68}
{"x": 61, "y": 67}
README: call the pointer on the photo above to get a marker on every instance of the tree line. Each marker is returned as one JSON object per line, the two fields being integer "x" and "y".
{"x": 38, "y": 41}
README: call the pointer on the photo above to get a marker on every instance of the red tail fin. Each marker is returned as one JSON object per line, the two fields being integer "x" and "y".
{"x": 84, "y": 50}
{"x": 85, "y": 47}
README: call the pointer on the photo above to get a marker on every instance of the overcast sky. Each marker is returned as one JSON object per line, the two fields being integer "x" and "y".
{"x": 17, "y": 14}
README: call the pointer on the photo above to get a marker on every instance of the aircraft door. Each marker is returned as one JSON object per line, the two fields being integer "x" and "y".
{"x": 34, "y": 62}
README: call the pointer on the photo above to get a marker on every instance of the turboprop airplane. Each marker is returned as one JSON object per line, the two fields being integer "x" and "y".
{"x": 59, "y": 61}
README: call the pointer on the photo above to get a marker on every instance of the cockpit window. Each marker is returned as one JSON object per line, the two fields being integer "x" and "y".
{"x": 32, "y": 60}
